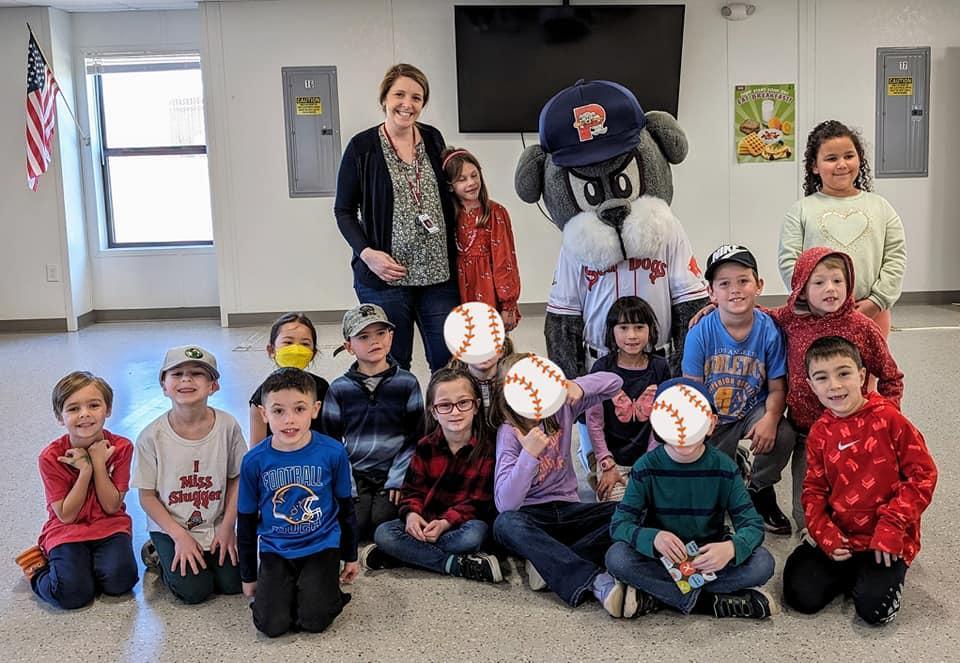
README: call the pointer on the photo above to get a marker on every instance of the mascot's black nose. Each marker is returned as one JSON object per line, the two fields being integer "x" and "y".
{"x": 614, "y": 215}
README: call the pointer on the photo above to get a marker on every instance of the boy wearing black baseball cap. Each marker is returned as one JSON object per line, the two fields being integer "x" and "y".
{"x": 739, "y": 354}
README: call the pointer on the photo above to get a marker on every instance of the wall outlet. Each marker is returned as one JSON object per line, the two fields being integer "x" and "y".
{"x": 53, "y": 273}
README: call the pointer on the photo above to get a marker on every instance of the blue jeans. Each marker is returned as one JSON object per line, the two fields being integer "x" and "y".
{"x": 76, "y": 571}
{"x": 427, "y": 306}
{"x": 565, "y": 542}
{"x": 393, "y": 540}
{"x": 648, "y": 574}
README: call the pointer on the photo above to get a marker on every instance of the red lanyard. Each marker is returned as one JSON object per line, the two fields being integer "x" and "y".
{"x": 415, "y": 186}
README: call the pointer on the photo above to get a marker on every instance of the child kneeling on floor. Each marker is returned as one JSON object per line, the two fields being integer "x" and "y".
{"x": 295, "y": 495}
{"x": 447, "y": 496}
{"x": 85, "y": 545}
{"x": 677, "y": 494}
{"x": 869, "y": 478}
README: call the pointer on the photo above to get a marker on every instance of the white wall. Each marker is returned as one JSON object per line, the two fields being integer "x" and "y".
{"x": 275, "y": 253}
{"x": 136, "y": 278}
{"x": 29, "y": 221}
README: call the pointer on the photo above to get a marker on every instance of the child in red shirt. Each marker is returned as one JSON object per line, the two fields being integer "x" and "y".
{"x": 869, "y": 478}
{"x": 486, "y": 258}
{"x": 85, "y": 545}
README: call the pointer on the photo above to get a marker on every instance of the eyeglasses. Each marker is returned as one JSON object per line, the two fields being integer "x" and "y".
{"x": 465, "y": 405}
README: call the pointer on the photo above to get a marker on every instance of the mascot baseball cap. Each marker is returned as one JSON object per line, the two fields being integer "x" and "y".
{"x": 729, "y": 253}
{"x": 186, "y": 354}
{"x": 590, "y": 122}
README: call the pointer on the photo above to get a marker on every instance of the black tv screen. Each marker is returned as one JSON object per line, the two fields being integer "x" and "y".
{"x": 512, "y": 59}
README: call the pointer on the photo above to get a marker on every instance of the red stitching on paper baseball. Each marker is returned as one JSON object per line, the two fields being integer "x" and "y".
{"x": 695, "y": 398}
{"x": 515, "y": 378}
{"x": 494, "y": 319}
{"x": 675, "y": 415}
{"x": 549, "y": 372}
{"x": 468, "y": 336}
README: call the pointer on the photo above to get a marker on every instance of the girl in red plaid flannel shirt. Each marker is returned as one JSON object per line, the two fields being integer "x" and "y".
{"x": 447, "y": 496}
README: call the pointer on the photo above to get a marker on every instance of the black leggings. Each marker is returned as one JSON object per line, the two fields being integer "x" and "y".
{"x": 811, "y": 580}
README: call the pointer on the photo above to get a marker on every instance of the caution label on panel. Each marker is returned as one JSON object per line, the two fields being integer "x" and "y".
{"x": 309, "y": 106}
{"x": 900, "y": 86}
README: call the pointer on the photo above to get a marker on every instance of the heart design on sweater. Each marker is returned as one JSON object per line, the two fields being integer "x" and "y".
{"x": 844, "y": 228}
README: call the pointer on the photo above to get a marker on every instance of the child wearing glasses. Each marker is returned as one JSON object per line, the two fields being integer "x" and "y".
{"x": 447, "y": 496}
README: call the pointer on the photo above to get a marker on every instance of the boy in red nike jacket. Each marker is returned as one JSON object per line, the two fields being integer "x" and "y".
{"x": 869, "y": 478}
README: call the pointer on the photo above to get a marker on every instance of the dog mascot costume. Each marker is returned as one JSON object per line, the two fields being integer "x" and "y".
{"x": 603, "y": 171}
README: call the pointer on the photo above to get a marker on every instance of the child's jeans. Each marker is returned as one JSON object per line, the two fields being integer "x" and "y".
{"x": 393, "y": 539}
{"x": 649, "y": 575}
{"x": 768, "y": 467}
{"x": 565, "y": 542}
{"x": 302, "y": 593}
{"x": 76, "y": 571}
{"x": 373, "y": 505}
{"x": 811, "y": 580}
{"x": 196, "y": 587}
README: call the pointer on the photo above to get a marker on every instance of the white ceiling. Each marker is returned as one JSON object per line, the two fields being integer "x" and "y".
{"x": 105, "y": 5}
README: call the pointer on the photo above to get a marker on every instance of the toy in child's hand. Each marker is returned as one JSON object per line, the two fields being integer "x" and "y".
{"x": 684, "y": 573}
{"x": 474, "y": 332}
{"x": 535, "y": 387}
{"x": 681, "y": 416}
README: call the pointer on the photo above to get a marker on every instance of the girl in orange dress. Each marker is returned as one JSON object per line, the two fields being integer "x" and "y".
{"x": 486, "y": 259}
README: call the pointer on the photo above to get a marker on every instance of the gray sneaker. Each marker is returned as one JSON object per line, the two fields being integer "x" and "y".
{"x": 150, "y": 557}
{"x": 537, "y": 583}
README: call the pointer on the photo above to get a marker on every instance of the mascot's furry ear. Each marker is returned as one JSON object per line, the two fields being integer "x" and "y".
{"x": 528, "y": 180}
{"x": 668, "y": 134}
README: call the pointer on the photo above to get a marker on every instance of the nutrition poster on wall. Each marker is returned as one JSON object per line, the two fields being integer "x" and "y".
{"x": 764, "y": 122}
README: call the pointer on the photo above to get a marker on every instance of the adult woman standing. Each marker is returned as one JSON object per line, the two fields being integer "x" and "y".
{"x": 403, "y": 239}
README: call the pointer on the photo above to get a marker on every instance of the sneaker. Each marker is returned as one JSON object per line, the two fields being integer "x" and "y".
{"x": 478, "y": 566}
{"x": 150, "y": 557}
{"x": 744, "y": 458}
{"x": 372, "y": 558}
{"x": 765, "y": 501}
{"x": 537, "y": 583}
{"x": 637, "y": 603}
{"x": 609, "y": 592}
{"x": 748, "y": 604}
{"x": 30, "y": 561}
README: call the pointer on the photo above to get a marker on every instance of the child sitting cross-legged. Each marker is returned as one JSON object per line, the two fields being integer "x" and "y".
{"x": 680, "y": 493}
{"x": 447, "y": 497}
{"x": 295, "y": 494}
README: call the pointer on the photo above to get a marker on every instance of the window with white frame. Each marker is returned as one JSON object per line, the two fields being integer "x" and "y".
{"x": 153, "y": 149}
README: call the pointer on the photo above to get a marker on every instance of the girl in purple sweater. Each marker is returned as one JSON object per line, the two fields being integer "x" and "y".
{"x": 535, "y": 489}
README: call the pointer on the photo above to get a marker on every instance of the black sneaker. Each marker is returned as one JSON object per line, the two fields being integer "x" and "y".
{"x": 478, "y": 566}
{"x": 150, "y": 557}
{"x": 746, "y": 604}
{"x": 765, "y": 501}
{"x": 637, "y": 603}
{"x": 373, "y": 559}
{"x": 744, "y": 463}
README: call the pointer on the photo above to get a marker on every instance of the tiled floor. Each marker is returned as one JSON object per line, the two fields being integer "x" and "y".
{"x": 414, "y": 616}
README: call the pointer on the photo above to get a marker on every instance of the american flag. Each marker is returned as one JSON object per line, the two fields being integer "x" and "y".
{"x": 42, "y": 92}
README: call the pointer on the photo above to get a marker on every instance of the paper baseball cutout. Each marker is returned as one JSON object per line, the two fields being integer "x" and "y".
{"x": 474, "y": 332}
{"x": 681, "y": 416}
{"x": 535, "y": 388}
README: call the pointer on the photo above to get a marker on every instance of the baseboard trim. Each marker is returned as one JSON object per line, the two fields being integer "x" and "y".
{"x": 143, "y": 314}
{"x": 33, "y": 325}
{"x": 935, "y": 297}
{"x": 268, "y": 317}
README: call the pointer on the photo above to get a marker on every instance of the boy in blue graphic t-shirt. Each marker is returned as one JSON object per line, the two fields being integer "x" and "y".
{"x": 295, "y": 495}
{"x": 738, "y": 353}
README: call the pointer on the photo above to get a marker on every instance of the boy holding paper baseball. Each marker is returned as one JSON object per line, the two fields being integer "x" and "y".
{"x": 680, "y": 493}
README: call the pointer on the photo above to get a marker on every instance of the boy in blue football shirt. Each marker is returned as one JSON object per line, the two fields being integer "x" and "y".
{"x": 295, "y": 494}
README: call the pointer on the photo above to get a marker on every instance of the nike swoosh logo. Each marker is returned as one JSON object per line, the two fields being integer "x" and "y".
{"x": 841, "y": 447}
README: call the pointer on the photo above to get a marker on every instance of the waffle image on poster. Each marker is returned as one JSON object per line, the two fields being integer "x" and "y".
{"x": 535, "y": 387}
{"x": 684, "y": 574}
{"x": 474, "y": 332}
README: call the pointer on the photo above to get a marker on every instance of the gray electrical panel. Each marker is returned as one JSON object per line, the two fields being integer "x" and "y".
{"x": 312, "y": 120}
{"x": 903, "y": 112}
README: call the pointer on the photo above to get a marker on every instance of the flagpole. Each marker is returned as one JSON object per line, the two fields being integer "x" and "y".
{"x": 63, "y": 98}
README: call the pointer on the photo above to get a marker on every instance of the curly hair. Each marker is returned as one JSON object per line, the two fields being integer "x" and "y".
{"x": 824, "y": 132}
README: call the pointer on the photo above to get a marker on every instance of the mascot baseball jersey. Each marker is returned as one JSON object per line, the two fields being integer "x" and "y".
{"x": 295, "y": 493}
{"x": 589, "y": 292}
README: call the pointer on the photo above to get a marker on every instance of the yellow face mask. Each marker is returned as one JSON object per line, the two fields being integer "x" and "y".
{"x": 293, "y": 356}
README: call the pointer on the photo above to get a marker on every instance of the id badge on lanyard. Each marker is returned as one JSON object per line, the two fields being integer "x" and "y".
{"x": 416, "y": 188}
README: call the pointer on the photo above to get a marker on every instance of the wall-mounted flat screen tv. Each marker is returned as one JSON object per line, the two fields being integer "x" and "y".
{"x": 511, "y": 59}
